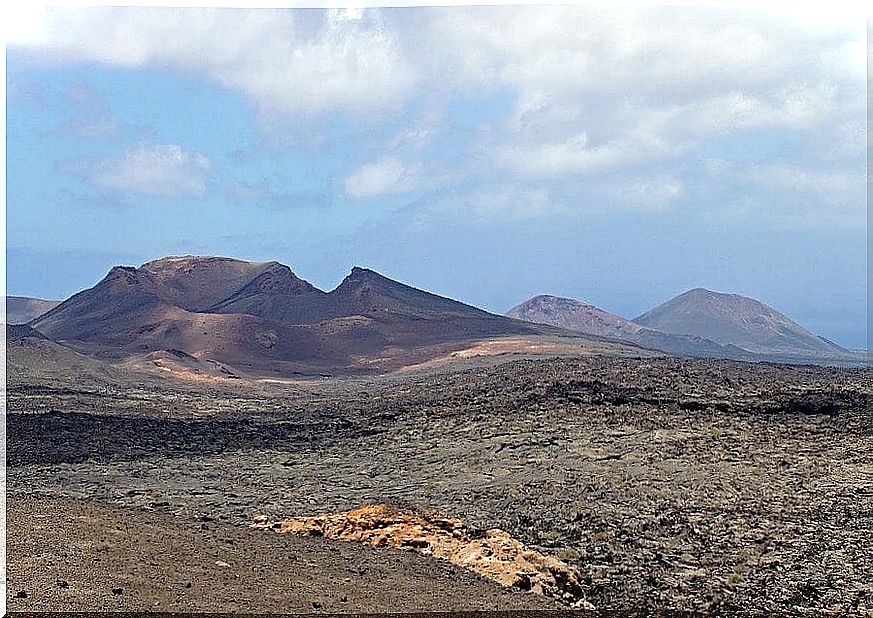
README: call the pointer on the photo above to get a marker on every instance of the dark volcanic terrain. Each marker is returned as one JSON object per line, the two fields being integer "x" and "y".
{"x": 669, "y": 484}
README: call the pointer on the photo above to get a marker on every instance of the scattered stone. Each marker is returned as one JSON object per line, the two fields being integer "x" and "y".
{"x": 717, "y": 459}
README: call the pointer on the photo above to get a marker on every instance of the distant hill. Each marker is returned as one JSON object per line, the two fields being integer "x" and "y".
{"x": 578, "y": 316}
{"x": 573, "y": 315}
{"x": 731, "y": 319}
{"x": 21, "y": 309}
{"x": 260, "y": 317}
{"x": 15, "y": 332}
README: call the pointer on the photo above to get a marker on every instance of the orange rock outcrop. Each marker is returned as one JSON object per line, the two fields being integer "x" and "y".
{"x": 494, "y": 554}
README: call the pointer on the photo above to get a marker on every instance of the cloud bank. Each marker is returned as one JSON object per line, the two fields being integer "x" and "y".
{"x": 596, "y": 92}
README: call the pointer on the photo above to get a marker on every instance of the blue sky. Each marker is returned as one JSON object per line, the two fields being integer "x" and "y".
{"x": 618, "y": 156}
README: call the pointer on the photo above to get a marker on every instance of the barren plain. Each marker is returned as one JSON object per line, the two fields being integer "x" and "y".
{"x": 669, "y": 484}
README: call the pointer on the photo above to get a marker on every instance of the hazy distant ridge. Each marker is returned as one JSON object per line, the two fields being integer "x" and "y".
{"x": 21, "y": 309}
{"x": 696, "y": 323}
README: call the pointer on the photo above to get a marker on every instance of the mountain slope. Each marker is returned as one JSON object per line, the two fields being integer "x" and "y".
{"x": 261, "y": 318}
{"x": 737, "y": 320}
{"x": 582, "y": 317}
{"x": 21, "y": 309}
{"x": 118, "y": 310}
{"x": 197, "y": 283}
{"x": 151, "y": 308}
{"x": 365, "y": 292}
{"x": 16, "y": 332}
{"x": 276, "y": 293}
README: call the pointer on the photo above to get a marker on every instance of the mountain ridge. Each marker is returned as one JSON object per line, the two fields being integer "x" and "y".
{"x": 587, "y": 318}
{"x": 260, "y": 316}
{"x": 697, "y": 322}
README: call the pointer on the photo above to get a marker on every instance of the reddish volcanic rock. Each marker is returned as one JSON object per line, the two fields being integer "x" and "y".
{"x": 261, "y": 319}
{"x": 493, "y": 554}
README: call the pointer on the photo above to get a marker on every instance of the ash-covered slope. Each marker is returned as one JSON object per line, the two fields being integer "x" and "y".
{"x": 582, "y": 317}
{"x": 167, "y": 305}
{"x": 198, "y": 283}
{"x": 276, "y": 293}
{"x": 366, "y": 292}
{"x": 261, "y": 317}
{"x": 408, "y": 316}
{"x": 21, "y": 309}
{"x": 731, "y": 319}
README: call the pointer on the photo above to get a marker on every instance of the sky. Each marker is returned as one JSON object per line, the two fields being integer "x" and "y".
{"x": 619, "y": 156}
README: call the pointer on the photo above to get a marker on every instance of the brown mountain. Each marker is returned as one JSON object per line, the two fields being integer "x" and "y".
{"x": 582, "y": 317}
{"x": 730, "y": 319}
{"x": 275, "y": 293}
{"x": 21, "y": 309}
{"x": 262, "y": 318}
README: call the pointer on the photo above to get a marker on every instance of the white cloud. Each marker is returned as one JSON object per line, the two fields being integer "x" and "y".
{"x": 102, "y": 126}
{"x": 575, "y": 156}
{"x": 646, "y": 84}
{"x": 92, "y": 117}
{"x": 423, "y": 130}
{"x": 162, "y": 169}
{"x": 383, "y": 176}
{"x": 287, "y": 61}
{"x": 791, "y": 195}
{"x": 244, "y": 192}
{"x": 650, "y": 193}
{"x": 312, "y": 60}
{"x": 836, "y": 186}
{"x": 597, "y": 91}
{"x": 514, "y": 202}
{"x": 637, "y": 51}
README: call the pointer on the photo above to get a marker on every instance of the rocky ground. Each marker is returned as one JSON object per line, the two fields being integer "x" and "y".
{"x": 75, "y": 555}
{"x": 670, "y": 484}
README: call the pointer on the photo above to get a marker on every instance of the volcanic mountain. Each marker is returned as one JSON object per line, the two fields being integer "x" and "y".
{"x": 260, "y": 317}
{"x": 740, "y": 321}
{"x": 582, "y": 317}
{"x": 21, "y": 309}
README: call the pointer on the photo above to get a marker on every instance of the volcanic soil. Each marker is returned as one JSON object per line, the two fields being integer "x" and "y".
{"x": 669, "y": 484}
